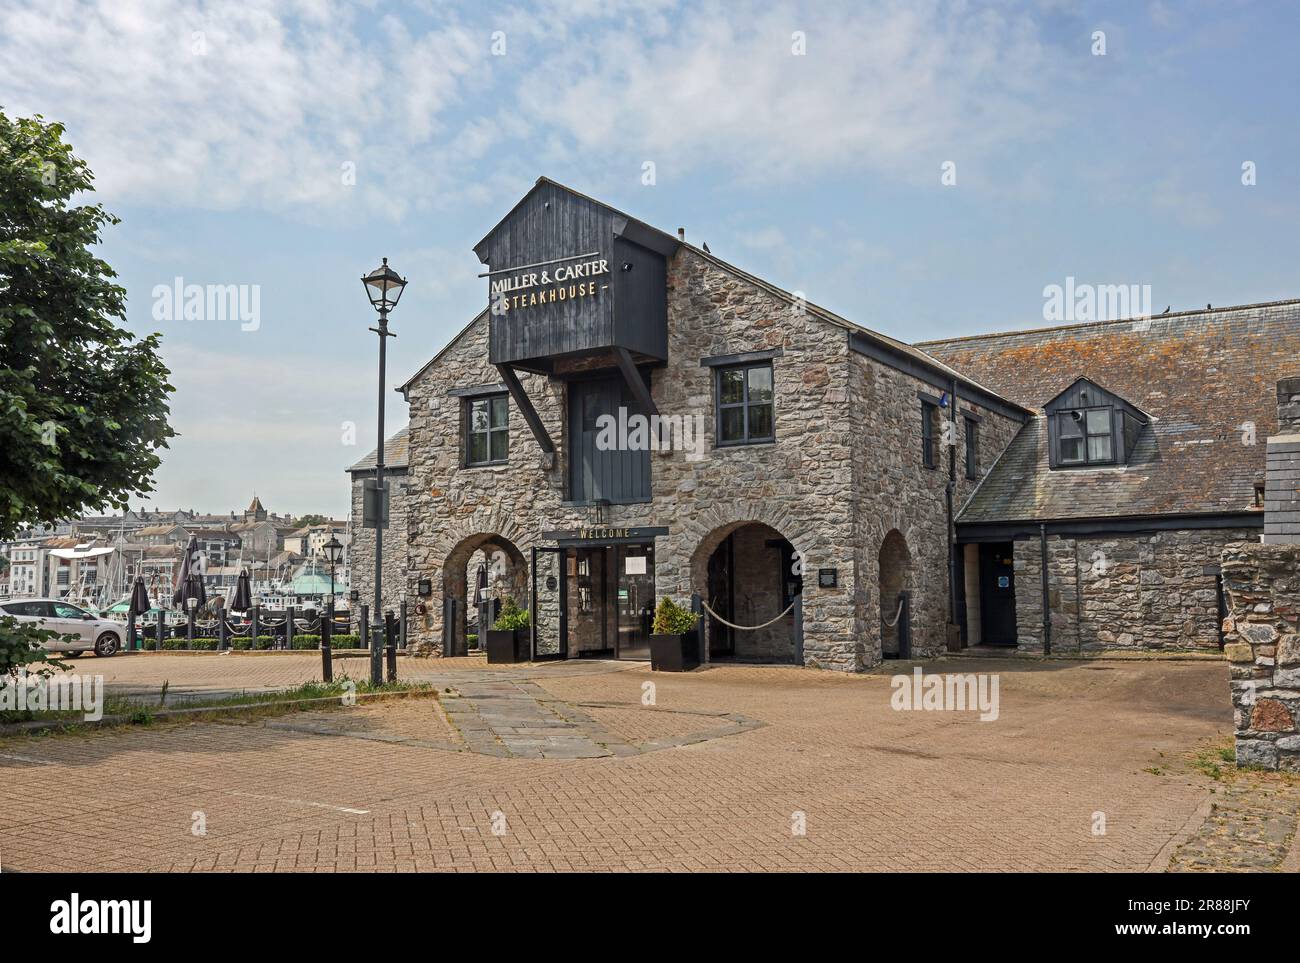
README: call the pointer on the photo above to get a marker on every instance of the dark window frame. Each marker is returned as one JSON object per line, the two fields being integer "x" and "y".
{"x": 972, "y": 441}
{"x": 929, "y": 456}
{"x": 1066, "y": 417}
{"x": 468, "y": 431}
{"x": 744, "y": 405}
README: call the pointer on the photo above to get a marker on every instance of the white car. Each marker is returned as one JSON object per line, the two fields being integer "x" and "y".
{"x": 93, "y": 633}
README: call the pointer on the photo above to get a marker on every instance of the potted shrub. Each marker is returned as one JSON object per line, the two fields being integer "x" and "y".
{"x": 674, "y": 643}
{"x": 507, "y": 640}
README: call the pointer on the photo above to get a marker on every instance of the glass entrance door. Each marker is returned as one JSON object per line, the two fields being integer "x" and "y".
{"x": 548, "y": 613}
{"x": 634, "y": 598}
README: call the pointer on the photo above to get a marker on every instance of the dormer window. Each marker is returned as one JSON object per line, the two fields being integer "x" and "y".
{"x": 1090, "y": 427}
{"x": 1085, "y": 436}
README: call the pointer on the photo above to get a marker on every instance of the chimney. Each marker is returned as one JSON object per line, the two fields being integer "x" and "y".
{"x": 1282, "y": 481}
{"x": 681, "y": 234}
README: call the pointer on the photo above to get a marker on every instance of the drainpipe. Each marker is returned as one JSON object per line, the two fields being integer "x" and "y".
{"x": 1047, "y": 613}
{"x": 950, "y": 494}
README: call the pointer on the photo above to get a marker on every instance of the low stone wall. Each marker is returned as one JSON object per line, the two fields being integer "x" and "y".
{"x": 1263, "y": 646}
{"x": 1151, "y": 591}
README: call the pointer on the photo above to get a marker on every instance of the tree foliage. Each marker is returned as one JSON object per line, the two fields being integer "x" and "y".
{"x": 83, "y": 404}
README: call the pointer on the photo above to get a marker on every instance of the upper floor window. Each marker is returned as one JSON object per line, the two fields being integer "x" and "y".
{"x": 487, "y": 430}
{"x": 1085, "y": 437}
{"x": 929, "y": 457}
{"x": 972, "y": 448}
{"x": 745, "y": 414}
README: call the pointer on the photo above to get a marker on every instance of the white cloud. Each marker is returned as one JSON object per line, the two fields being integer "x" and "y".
{"x": 259, "y": 103}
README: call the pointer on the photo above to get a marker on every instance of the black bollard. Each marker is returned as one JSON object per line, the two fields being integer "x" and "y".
{"x": 401, "y": 638}
{"x": 290, "y": 628}
{"x": 189, "y": 625}
{"x": 255, "y": 628}
{"x": 223, "y": 630}
{"x": 390, "y": 645}
{"x": 326, "y": 656}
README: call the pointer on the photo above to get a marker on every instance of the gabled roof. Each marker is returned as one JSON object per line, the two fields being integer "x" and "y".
{"x": 1207, "y": 380}
{"x": 1100, "y": 393}
{"x": 891, "y": 348}
{"x": 636, "y": 230}
{"x": 396, "y": 453}
{"x": 401, "y": 389}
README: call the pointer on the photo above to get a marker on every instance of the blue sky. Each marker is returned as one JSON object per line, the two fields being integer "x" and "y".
{"x": 221, "y": 134}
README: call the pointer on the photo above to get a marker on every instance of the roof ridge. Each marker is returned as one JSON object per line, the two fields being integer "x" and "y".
{"x": 1095, "y": 324}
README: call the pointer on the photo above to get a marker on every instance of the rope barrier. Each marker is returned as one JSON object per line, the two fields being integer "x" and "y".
{"x": 897, "y": 615}
{"x": 746, "y": 628}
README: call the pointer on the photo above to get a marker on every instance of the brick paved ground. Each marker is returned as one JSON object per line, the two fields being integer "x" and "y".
{"x": 396, "y": 787}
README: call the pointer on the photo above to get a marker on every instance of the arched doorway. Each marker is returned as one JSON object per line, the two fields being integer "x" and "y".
{"x": 895, "y": 597}
{"x": 479, "y": 574}
{"x": 750, "y": 575}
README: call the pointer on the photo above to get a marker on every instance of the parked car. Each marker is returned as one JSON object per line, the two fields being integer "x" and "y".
{"x": 102, "y": 636}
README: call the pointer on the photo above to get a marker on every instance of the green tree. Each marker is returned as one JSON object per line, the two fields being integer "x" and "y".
{"x": 83, "y": 404}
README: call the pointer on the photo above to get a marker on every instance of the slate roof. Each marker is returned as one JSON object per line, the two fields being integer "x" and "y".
{"x": 1201, "y": 375}
{"x": 396, "y": 453}
{"x": 909, "y": 352}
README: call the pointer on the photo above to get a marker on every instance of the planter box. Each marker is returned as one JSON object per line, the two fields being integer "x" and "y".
{"x": 674, "y": 653}
{"x": 507, "y": 645}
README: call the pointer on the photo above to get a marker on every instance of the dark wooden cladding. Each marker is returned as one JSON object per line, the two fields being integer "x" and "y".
{"x": 554, "y": 228}
{"x": 617, "y": 474}
{"x": 1085, "y": 394}
{"x": 640, "y": 300}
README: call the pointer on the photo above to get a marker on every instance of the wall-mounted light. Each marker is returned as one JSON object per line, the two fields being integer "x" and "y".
{"x": 425, "y": 587}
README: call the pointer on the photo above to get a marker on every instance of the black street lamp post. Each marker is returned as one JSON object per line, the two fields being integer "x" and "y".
{"x": 384, "y": 288}
{"x": 333, "y": 552}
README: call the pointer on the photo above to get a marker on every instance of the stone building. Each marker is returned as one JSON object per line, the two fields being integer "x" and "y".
{"x": 633, "y": 418}
{"x": 361, "y": 544}
{"x": 1133, "y": 517}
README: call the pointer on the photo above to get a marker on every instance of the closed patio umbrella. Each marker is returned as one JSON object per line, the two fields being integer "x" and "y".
{"x": 139, "y": 598}
{"x": 243, "y": 600}
{"x": 138, "y": 607}
{"x": 189, "y": 583}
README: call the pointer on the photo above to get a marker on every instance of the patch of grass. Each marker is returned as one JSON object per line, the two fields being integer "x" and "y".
{"x": 1154, "y": 770}
{"x": 138, "y": 712}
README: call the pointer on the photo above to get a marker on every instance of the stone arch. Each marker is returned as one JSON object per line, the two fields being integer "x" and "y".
{"x": 507, "y": 571}
{"x": 895, "y": 578}
{"x": 704, "y": 533}
{"x": 746, "y": 550}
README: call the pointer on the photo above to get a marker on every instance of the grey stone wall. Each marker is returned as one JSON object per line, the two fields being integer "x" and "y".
{"x": 1136, "y": 592}
{"x": 396, "y": 558}
{"x": 1263, "y": 649}
{"x": 843, "y": 472}
{"x": 893, "y": 491}
{"x": 1282, "y": 484}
